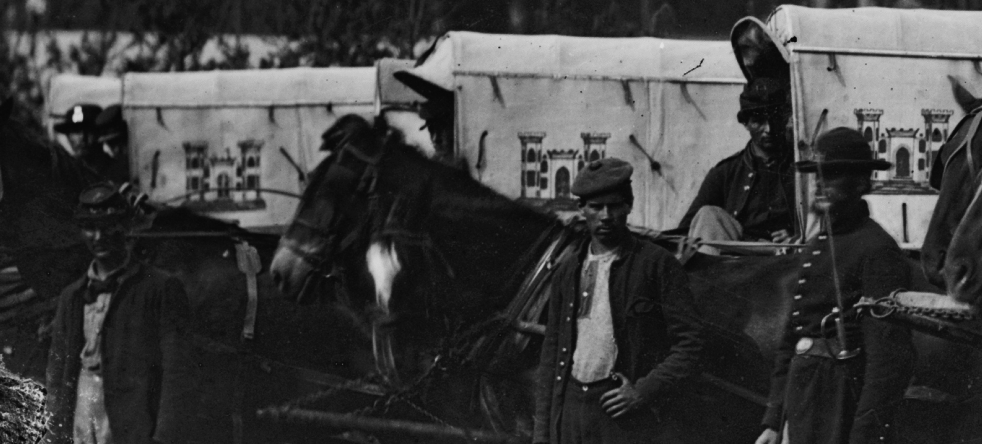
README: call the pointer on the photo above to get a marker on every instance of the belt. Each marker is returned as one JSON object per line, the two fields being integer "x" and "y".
{"x": 589, "y": 385}
{"x": 820, "y": 347}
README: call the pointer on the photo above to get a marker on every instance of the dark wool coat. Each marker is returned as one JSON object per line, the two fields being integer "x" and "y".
{"x": 656, "y": 327}
{"x": 858, "y": 404}
{"x": 738, "y": 185}
{"x": 146, "y": 366}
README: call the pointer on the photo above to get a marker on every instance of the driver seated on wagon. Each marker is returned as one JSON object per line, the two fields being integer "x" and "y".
{"x": 749, "y": 196}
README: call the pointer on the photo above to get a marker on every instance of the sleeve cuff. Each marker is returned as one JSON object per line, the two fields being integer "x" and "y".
{"x": 773, "y": 417}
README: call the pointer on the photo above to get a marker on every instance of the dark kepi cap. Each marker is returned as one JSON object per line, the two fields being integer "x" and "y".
{"x": 763, "y": 95}
{"x": 842, "y": 149}
{"x": 102, "y": 204}
{"x": 110, "y": 124}
{"x": 79, "y": 118}
{"x": 604, "y": 177}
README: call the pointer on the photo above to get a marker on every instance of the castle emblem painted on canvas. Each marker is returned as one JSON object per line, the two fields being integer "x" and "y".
{"x": 224, "y": 182}
{"x": 911, "y": 151}
{"x": 548, "y": 174}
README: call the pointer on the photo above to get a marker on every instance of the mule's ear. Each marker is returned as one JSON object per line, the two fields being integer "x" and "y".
{"x": 966, "y": 100}
{"x": 6, "y": 108}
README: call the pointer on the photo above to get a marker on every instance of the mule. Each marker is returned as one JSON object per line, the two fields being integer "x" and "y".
{"x": 425, "y": 253}
{"x": 951, "y": 247}
{"x": 287, "y": 357}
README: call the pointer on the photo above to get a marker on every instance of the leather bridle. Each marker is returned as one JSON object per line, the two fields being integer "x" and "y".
{"x": 328, "y": 244}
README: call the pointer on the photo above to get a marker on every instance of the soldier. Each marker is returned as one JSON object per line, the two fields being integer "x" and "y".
{"x": 80, "y": 128}
{"x": 830, "y": 387}
{"x": 623, "y": 330}
{"x": 438, "y": 110}
{"x": 750, "y": 195}
{"x": 119, "y": 369}
{"x": 113, "y": 132}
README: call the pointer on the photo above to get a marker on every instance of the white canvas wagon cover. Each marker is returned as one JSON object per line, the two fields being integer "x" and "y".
{"x": 229, "y": 143}
{"x": 888, "y": 73}
{"x": 530, "y": 110}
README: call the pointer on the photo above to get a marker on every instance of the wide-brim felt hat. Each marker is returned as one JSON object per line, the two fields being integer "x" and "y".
{"x": 842, "y": 149}
{"x": 110, "y": 124}
{"x": 78, "y": 118}
{"x": 432, "y": 77}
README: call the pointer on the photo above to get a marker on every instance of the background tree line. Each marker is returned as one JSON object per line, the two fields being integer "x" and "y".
{"x": 171, "y": 34}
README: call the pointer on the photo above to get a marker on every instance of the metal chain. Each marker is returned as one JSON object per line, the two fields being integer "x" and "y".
{"x": 893, "y": 306}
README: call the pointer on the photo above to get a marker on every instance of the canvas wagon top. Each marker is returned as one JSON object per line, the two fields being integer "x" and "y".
{"x": 250, "y": 88}
{"x": 553, "y": 56}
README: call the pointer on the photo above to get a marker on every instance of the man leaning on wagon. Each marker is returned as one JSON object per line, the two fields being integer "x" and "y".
{"x": 119, "y": 369}
{"x": 750, "y": 195}
{"x": 622, "y": 331}
{"x": 824, "y": 391}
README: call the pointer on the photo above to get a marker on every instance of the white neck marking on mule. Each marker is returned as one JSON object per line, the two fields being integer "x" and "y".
{"x": 383, "y": 264}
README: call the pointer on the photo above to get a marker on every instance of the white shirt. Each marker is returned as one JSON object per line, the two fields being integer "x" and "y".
{"x": 596, "y": 349}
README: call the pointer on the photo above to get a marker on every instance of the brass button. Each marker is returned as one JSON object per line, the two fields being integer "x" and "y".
{"x": 804, "y": 344}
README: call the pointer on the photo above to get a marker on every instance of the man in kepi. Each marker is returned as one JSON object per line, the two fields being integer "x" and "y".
{"x": 623, "y": 330}
{"x": 119, "y": 369}
{"x": 841, "y": 385}
{"x": 750, "y": 195}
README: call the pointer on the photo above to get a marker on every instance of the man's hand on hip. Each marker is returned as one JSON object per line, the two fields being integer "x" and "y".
{"x": 622, "y": 400}
{"x": 781, "y": 237}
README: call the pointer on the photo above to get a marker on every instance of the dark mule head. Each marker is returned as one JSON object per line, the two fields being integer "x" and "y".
{"x": 328, "y": 231}
{"x": 40, "y": 187}
{"x": 954, "y": 239}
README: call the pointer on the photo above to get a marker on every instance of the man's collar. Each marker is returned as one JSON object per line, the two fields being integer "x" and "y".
{"x": 851, "y": 219}
{"x": 753, "y": 161}
{"x": 115, "y": 273}
{"x": 627, "y": 246}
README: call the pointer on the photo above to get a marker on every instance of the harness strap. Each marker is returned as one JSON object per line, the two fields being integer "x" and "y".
{"x": 249, "y": 264}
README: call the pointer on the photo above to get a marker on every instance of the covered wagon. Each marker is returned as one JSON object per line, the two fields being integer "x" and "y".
{"x": 530, "y": 111}
{"x": 237, "y": 144}
{"x": 889, "y": 73}
{"x": 67, "y": 90}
